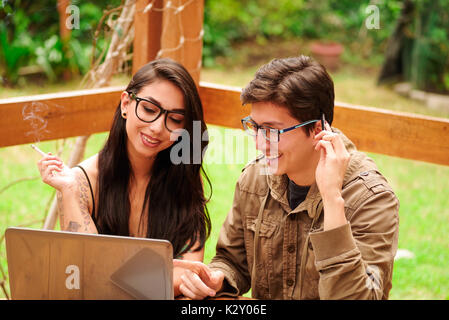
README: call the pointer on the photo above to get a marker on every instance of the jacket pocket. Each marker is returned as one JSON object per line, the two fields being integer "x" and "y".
{"x": 264, "y": 262}
{"x": 266, "y": 230}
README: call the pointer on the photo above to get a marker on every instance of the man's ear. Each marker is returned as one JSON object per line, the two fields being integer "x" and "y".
{"x": 317, "y": 128}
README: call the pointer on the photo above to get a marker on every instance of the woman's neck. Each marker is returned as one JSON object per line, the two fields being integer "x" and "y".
{"x": 140, "y": 166}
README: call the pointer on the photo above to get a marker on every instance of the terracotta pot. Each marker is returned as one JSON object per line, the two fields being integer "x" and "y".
{"x": 327, "y": 53}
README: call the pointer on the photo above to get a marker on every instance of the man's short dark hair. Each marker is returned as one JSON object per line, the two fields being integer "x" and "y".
{"x": 300, "y": 84}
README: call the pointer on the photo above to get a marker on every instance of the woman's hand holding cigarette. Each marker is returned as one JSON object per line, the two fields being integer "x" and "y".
{"x": 55, "y": 173}
{"x": 72, "y": 200}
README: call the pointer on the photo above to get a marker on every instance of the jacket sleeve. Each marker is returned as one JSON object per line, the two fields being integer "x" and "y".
{"x": 230, "y": 255}
{"x": 355, "y": 261}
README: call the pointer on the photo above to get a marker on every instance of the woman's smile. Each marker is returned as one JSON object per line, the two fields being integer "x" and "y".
{"x": 149, "y": 141}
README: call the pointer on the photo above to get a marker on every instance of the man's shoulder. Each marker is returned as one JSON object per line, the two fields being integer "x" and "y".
{"x": 253, "y": 178}
{"x": 256, "y": 162}
{"x": 364, "y": 181}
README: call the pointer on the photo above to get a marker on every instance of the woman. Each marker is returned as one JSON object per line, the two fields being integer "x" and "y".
{"x": 131, "y": 187}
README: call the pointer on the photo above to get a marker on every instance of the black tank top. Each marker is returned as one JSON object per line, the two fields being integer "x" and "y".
{"x": 91, "y": 192}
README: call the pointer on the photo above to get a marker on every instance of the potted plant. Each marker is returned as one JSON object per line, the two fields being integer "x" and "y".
{"x": 327, "y": 53}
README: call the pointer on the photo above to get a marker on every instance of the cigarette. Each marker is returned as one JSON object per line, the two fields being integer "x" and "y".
{"x": 42, "y": 153}
{"x": 323, "y": 120}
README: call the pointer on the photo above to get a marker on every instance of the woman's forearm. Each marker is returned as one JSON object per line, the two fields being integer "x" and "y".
{"x": 73, "y": 207}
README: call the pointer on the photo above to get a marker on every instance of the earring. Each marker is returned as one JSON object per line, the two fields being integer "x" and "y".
{"x": 124, "y": 115}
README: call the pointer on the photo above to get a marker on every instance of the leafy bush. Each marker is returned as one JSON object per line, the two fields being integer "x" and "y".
{"x": 228, "y": 21}
{"x": 13, "y": 55}
{"x": 29, "y": 35}
{"x": 426, "y": 58}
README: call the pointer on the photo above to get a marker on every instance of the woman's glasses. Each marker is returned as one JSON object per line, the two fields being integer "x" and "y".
{"x": 149, "y": 111}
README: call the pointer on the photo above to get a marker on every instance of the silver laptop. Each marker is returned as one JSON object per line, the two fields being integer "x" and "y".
{"x": 45, "y": 264}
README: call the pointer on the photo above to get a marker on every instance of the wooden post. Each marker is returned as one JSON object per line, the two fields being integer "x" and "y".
{"x": 64, "y": 31}
{"x": 147, "y": 32}
{"x": 63, "y": 15}
{"x": 173, "y": 26}
{"x": 182, "y": 35}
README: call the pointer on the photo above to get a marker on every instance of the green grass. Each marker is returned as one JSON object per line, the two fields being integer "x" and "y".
{"x": 421, "y": 187}
{"x": 423, "y": 227}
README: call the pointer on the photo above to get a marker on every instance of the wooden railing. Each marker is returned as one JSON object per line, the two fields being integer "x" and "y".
{"x": 61, "y": 115}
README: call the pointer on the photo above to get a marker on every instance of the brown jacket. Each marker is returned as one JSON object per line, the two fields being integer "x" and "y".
{"x": 282, "y": 253}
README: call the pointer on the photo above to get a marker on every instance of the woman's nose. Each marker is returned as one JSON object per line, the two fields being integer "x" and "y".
{"x": 159, "y": 124}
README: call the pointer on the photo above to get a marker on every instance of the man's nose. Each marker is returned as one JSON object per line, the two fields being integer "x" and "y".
{"x": 261, "y": 143}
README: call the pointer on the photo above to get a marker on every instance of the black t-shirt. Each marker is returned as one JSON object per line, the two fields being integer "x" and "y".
{"x": 296, "y": 194}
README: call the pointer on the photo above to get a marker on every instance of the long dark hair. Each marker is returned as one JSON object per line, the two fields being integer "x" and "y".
{"x": 175, "y": 196}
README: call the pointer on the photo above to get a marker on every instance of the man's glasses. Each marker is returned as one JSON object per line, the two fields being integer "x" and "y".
{"x": 269, "y": 134}
{"x": 149, "y": 111}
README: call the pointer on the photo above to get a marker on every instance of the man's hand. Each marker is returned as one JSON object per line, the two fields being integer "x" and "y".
{"x": 329, "y": 175}
{"x": 198, "y": 281}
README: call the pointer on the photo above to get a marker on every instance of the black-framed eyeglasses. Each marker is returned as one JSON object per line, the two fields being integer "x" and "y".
{"x": 149, "y": 111}
{"x": 270, "y": 134}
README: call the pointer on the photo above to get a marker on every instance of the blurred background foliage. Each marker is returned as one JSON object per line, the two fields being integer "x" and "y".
{"x": 29, "y": 34}
{"x": 230, "y": 21}
{"x": 426, "y": 48}
{"x": 29, "y": 37}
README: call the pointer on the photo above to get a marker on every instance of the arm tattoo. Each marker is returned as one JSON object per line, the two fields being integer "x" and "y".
{"x": 60, "y": 207}
{"x": 83, "y": 188}
{"x": 73, "y": 226}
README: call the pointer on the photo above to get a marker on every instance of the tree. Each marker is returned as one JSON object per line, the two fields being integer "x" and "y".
{"x": 418, "y": 50}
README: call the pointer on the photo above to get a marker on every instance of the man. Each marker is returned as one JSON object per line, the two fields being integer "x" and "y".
{"x": 312, "y": 218}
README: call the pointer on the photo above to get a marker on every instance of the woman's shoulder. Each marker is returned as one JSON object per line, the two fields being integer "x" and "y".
{"x": 90, "y": 165}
